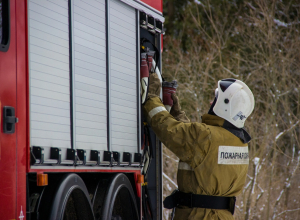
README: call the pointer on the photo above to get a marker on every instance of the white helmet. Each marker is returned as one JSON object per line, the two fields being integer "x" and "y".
{"x": 235, "y": 101}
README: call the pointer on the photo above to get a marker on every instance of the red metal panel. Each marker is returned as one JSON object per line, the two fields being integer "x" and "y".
{"x": 27, "y": 89}
{"x": 137, "y": 185}
{"x": 157, "y": 4}
{"x": 8, "y": 141}
{"x": 21, "y": 36}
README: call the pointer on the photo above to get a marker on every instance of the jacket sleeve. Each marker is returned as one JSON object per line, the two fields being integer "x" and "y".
{"x": 189, "y": 141}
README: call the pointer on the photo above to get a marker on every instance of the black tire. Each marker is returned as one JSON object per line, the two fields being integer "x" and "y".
{"x": 99, "y": 196}
{"x": 120, "y": 202}
{"x": 71, "y": 200}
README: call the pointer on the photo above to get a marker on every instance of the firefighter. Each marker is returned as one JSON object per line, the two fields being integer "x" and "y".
{"x": 213, "y": 154}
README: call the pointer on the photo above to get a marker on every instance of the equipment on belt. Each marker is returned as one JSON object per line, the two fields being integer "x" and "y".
{"x": 199, "y": 201}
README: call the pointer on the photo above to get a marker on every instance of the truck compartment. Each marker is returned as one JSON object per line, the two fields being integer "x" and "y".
{"x": 84, "y": 78}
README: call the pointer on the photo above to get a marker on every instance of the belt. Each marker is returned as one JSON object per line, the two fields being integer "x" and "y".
{"x": 199, "y": 201}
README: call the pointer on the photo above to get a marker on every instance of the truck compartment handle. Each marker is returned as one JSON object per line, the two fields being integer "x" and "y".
{"x": 9, "y": 120}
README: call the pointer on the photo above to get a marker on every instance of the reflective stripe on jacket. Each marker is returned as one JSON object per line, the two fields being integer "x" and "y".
{"x": 213, "y": 161}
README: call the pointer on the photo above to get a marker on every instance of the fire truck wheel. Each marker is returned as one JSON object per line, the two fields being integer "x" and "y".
{"x": 120, "y": 201}
{"x": 71, "y": 200}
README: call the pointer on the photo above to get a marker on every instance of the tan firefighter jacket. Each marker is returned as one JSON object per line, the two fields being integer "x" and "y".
{"x": 213, "y": 161}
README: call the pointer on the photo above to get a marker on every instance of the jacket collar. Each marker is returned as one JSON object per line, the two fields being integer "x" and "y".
{"x": 220, "y": 122}
{"x": 213, "y": 120}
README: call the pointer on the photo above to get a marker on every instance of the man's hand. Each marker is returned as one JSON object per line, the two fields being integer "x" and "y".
{"x": 154, "y": 86}
{"x": 176, "y": 110}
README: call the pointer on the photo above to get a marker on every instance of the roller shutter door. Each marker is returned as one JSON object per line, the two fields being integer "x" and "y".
{"x": 89, "y": 60}
{"x": 49, "y": 73}
{"x": 51, "y": 86}
{"x": 123, "y": 73}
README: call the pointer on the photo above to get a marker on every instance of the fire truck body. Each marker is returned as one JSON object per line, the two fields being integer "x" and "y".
{"x": 71, "y": 122}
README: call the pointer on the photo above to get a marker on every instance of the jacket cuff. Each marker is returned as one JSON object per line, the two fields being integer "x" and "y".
{"x": 153, "y": 106}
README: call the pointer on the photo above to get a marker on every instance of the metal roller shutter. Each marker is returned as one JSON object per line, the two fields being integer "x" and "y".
{"x": 49, "y": 73}
{"x": 49, "y": 63}
{"x": 123, "y": 73}
{"x": 89, "y": 70}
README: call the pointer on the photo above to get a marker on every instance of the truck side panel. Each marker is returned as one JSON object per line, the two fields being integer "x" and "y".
{"x": 21, "y": 127}
{"x": 158, "y": 5}
{"x": 8, "y": 145}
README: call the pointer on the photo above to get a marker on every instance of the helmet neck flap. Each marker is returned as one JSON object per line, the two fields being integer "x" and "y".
{"x": 211, "y": 111}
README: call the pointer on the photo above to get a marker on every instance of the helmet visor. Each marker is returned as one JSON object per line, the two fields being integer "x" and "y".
{"x": 225, "y": 83}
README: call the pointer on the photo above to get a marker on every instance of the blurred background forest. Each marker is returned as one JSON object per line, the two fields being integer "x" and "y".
{"x": 258, "y": 42}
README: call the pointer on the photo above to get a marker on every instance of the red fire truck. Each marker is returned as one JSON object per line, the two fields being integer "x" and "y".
{"x": 73, "y": 142}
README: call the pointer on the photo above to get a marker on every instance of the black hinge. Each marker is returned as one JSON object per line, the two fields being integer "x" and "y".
{"x": 9, "y": 120}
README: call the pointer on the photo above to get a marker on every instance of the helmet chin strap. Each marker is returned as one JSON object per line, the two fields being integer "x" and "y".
{"x": 211, "y": 111}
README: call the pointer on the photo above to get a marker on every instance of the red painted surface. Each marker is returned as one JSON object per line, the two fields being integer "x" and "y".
{"x": 27, "y": 90}
{"x": 157, "y": 4}
{"x": 21, "y": 113}
{"x": 8, "y": 150}
{"x": 137, "y": 185}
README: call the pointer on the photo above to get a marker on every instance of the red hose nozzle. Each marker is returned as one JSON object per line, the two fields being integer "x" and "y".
{"x": 144, "y": 66}
{"x": 168, "y": 89}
